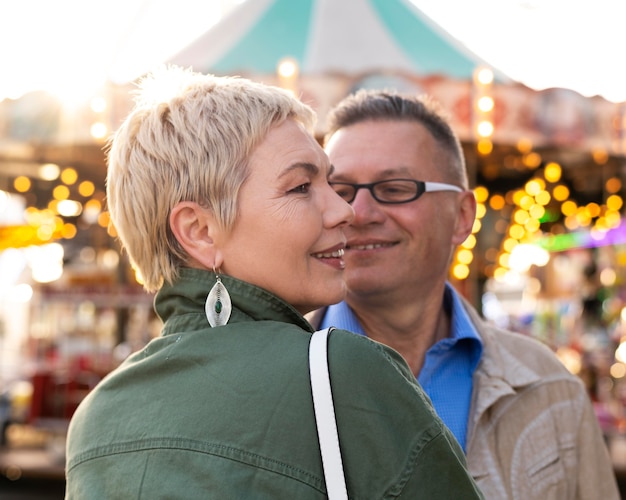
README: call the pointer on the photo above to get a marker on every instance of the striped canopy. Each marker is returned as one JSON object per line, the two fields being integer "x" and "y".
{"x": 329, "y": 36}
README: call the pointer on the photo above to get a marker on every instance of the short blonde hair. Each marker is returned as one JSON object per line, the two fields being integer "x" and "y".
{"x": 188, "y": 138}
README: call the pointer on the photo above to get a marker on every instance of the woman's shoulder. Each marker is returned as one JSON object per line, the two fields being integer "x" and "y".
{"x": 356, "y": 357}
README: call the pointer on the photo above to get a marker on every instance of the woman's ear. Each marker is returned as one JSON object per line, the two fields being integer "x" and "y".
{"x": 195, "y": 229}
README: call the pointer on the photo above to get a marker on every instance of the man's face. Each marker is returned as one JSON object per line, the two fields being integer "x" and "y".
{"x": 396, "y": 248}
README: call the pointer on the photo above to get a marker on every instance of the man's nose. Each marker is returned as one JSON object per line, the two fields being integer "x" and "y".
{"x": 366, "y": 208}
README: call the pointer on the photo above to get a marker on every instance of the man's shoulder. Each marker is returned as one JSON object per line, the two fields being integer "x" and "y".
{"x": 507, "y": 347}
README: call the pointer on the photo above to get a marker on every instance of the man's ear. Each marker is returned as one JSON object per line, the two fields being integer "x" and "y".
{"x": 196, "y": 229}
{"x": 465, "y": 218}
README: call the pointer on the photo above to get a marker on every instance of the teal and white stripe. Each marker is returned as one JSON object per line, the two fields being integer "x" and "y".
{"x": 327, "y": 36}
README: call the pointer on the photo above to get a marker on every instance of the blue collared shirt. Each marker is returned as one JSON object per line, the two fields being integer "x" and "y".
{"x": 449, "y": 365}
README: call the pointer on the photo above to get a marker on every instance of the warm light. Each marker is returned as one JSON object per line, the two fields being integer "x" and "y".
{"x": 485, "y": 104}
{"x": 503, "y": 260}
{"x": 61, "y": 193}
{"x": 526, "y": 202}
{"x": 86, "y": 188}
{"x": 91, "y": 211}
{"x": 481, "y": 210}
{"x": 524, "y": 256}
{"x": 484, "y": 147}
{"x": 569, "y": 208}
{"x": 104, "y": 219}
{"x": 470, "y": 242}
{"x": 287, "y": 68}
{"x": 533, "y": 186}
{"x": 524, "y": 145}
{"x": 110, "y": 259}
{"x": 500, "y": 274}
{"x": 516, "y": 231}
{"x": 99, "y": 130}
{"x": 614, "y": 202}
{"x": 476, "y": 226}
{"x": 46, "y": 262}
{"x": 481, "y": 193}
{"x": 45, "y": 232}
{"x": 537, "y": 211}
{"x": 52, "y": 206}
{"x": 485, "y": 128}
{"x": 497, "y": 202}
{"x": 69, "y": 208}
{"x": 532, "y": 225}
{"x": 553, "y": 172}
{"x": 582, "y": 216}
{"x": 613, "y": 185}
{"x": 560, "y": 192}
{"x": 465, "y": 256}
{"x": 618, "y": 370}
{"x": 532, "y": 160}
{"x": 288, "y": 74}
{"x": 69, "y": 176}
{"x": 608, "y": 277}
{"x": 613, "y": 218}
{"x": 543, "y": 197}
{"x": 69, "y": 231}
{"x": 21, "y": 184}
{"x": 49, "y": 172}
{"x": 600, "y": 156}
{"x": 509, "y": 244}
{"x": 520, "y": 216}
{"x": 571, "y": 222}
{"x": 483, "y": 76}
{"x": 620, "y": 352}
{"x": 592, "y": 209}
{"x": 460, "y": 271}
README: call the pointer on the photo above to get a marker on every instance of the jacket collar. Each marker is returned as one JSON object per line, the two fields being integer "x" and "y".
{"x": 181, "y": 305}
{"x": 500, "y": 373}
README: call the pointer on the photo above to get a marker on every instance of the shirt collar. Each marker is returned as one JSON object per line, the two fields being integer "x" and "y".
{"x": 341, "y": 316}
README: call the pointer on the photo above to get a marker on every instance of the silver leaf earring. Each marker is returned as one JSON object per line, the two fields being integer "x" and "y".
{"x": 218, "y": 306}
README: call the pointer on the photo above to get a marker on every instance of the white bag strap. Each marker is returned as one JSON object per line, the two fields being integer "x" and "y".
{"x": 325, "y": 416}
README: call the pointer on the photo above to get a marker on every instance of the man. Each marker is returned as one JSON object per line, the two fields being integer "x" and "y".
{"x": 525, "y": 423}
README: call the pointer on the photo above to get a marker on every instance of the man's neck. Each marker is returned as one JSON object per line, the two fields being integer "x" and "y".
{"x": 410, "y": 327}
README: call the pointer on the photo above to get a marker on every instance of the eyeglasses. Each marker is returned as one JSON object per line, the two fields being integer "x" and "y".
{"x": 392, "y": 191}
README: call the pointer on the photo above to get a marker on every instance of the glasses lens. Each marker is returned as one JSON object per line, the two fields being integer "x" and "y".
{"x": 395, "y": 191}
{"x": 346, "y": 191}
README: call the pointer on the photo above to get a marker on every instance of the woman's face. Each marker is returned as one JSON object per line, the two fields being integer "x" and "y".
{"x": 288, "y": 236}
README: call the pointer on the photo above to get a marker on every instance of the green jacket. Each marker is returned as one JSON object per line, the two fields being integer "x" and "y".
{"x": 226, "y": 413}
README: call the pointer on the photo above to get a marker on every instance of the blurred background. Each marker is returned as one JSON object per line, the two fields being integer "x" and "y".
{"x": 536, "y": 90}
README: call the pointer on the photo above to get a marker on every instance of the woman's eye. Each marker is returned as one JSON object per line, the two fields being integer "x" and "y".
{"x": 301, "y": 189}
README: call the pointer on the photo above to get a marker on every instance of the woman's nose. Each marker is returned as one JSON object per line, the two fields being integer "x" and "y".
{"x": 344, "y": 213}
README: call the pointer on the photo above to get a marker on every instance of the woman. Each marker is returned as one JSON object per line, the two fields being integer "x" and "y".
{"x": 219, "y": 194}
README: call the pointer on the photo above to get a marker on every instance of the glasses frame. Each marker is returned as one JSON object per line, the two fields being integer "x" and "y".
{"x": 422, "y": 187}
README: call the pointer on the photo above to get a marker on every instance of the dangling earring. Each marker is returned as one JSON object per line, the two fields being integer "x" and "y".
{"x": 218, "y": 306}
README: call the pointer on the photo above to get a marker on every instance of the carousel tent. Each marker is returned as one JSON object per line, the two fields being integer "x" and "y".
{"x": 342, "y": 45}
{"x": 329, "y": 36}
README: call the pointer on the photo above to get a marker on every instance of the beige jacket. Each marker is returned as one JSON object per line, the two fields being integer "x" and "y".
{"x": 533, "y": 433}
